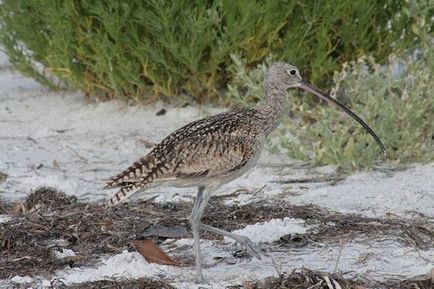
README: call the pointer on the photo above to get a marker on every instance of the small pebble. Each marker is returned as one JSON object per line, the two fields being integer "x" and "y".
{"x": 161, "y": 112}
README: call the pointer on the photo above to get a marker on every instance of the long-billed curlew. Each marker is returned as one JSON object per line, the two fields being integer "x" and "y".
{"x": 216, "y": 150}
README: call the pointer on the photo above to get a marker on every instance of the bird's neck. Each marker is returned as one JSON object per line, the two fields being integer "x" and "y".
{"x": 272, "y": 108}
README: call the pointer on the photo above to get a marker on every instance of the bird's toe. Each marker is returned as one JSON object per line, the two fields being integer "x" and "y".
{"x": 253, "y": 248}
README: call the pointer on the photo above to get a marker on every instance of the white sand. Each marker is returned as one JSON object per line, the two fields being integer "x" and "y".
{"x": 58, "y": 139}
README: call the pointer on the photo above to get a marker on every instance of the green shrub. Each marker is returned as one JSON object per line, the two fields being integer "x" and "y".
{"x": 400, "y": 110}
{"x": 396, "y": 99}
{"x": 140, "y": 50}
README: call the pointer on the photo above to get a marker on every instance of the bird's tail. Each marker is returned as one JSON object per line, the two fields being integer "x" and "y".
{"x": 138, "y": 177}
{"x": 126, "y": 191}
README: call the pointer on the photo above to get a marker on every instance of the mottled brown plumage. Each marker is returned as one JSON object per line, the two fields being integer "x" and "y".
{"x": 215, "y": 150}
{"x": 200, "y": 152}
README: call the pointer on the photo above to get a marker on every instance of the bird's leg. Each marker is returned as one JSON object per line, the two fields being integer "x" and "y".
{"x": 243, "y": 240}
{"x": 196, "y": 215}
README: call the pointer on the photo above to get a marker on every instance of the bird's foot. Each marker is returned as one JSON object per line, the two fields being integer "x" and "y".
{"x": 251, "y": 247}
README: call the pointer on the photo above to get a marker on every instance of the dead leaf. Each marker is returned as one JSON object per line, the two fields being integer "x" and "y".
{"x": 152, "y": 253}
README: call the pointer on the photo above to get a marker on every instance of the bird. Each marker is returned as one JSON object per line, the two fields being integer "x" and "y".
{"x": 215, "y": 150}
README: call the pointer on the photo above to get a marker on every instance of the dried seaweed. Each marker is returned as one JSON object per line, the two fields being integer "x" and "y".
{"x": 141, "y": 283}
{"x": 305, "y": 278}
{"x": 330, "y": 226}
{"x": 52, "y": 221}
{"x": 28, "y": 241}
{"x": 47, "y": 199}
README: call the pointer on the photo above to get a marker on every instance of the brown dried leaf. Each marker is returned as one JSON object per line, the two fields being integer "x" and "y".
{"x": 152, "y": 253}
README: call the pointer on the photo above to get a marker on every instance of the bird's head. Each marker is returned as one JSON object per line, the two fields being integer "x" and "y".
{"x": 283, "y": 75}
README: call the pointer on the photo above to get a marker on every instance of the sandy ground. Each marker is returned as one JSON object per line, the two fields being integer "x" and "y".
{"x": 59, "y": 139}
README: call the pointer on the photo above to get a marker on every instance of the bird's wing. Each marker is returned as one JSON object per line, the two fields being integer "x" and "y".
{"x": 213, "y": 156}
{"x": 210, "y": 147}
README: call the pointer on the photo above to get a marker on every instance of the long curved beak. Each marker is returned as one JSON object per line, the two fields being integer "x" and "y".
{"x": 312, "y": 89}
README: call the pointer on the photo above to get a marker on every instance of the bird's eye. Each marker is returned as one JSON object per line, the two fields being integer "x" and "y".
{"x": 292, "y": 72}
